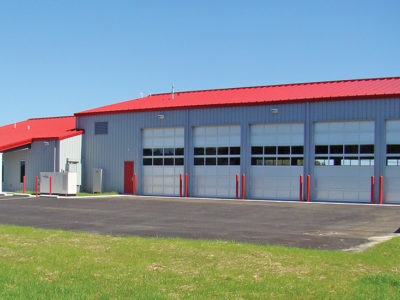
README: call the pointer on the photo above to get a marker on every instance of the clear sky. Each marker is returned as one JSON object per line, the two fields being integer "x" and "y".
{"x": 65, "y": 56}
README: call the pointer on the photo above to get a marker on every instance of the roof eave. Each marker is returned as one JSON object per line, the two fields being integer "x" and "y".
{"x": 267, "y": 102}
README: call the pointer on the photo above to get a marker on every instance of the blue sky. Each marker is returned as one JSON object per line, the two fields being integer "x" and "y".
{"x": 61, "y": 57}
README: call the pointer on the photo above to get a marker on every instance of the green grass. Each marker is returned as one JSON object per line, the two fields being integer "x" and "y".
{"x": 52, "y": 264}
{"x": 97, "y": 194}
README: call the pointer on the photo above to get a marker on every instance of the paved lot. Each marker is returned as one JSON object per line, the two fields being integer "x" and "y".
{"x": 308, "y": 225}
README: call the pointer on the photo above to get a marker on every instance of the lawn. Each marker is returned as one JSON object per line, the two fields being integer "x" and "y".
{"x": 53, "y": 264}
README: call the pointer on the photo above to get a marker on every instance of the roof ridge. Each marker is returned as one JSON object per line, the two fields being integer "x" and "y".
{"x": 275, "y": 85}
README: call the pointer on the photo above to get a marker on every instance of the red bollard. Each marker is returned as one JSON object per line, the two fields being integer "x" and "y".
{"x": 380, "y": 189}
{"x": 237, "y": 186}
{"x": 50, "y": 186}
{"x": 308, "y": 187}
{"x": 37, "y": 186}
{"x": 134, "y": 183}
{"x": 301, "y": 188}
{"x": 243, "y": 186}
{"x": 186, "y": 184}
{"x": 23, "y": 184}
{"x": 180, "y": 185}
{"x": 372, "y": 188}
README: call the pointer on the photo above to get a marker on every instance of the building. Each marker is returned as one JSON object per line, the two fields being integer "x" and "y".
{"x": 38, "y": 145}
{"x": 340, "y": 133}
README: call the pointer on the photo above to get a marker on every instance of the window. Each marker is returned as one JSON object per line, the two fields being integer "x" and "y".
{"x": 217, "y": 156}
{"x": 285, "y": 155}
{"x": 163, "y": 156}
{"x": 22, "y": 171}
{"x": 344, "y": 155}
{"x": 393, "y": 155}
{"x": 100, "y": 128}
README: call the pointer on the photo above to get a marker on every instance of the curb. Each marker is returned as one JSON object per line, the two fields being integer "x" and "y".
{"x": 49, "y": 196}
{"x": 22, "y": 195}
{"x": 93, "y": 196}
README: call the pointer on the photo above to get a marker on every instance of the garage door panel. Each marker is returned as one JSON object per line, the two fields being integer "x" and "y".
{"x": 391, "y": 181}
{"x": 164, "y": 178}
{"x": 215, "y": 180}
{"x": 333, "y": 179}
{"x": 278, "y": 181}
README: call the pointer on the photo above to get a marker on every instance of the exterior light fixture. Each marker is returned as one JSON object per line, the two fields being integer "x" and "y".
{"x": 274, "y": 111}
{"x": 160, "y": 117}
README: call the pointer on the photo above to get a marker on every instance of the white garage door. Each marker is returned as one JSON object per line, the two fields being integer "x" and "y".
{"x": 277, "y": 152}
{"x": 163, "y": 161}
{"x": 391, "y": 182}
{"x": 216, "y": 160}
{"x": 344, "y": 161}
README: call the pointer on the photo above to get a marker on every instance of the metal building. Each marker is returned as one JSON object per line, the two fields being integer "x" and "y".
{"x": 338, "y": 135}
{"x": 38, "y": 145}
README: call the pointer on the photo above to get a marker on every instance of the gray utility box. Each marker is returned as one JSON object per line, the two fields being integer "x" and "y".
{"x": 97, "y": 184}
{"x": 61, "y": 183}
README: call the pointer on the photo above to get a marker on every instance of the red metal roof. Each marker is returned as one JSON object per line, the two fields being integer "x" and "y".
{"x": 24, "y": 133}
{"x": 275, "y": 94}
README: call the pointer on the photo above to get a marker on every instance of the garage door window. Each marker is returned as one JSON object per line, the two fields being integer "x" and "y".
{"x": 163, "y": 156}
{"x": 277, "y": 155}
{"x": 393, "y": 155}
{"x": 216, "y": 156}
{"x": 344, "y": 155}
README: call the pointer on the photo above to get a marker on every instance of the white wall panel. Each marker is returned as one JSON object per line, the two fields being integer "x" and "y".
{"x": 352, "y": 132}
{"x": 275, "y": 182}
{"x": 343, "y": 183}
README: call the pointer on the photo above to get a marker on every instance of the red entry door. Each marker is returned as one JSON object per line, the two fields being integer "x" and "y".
{"x": 128, "y": 177}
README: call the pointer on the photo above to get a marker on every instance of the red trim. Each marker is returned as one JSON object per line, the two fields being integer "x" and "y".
{"x": 243, "y": 186}
{"x": 180, "y": 185}
{"x": 233, "y": 104}
{"x": 37, "y": 186}
{"x": 237, "y": 186}
{"x": 301, "y": 188}
{"x": 380, "y": 189}
{"x": 308, "y": 187}
{"x": 134, "y": 183}
{"x": 372, "y": 188}
{"x": 30, "y": 141}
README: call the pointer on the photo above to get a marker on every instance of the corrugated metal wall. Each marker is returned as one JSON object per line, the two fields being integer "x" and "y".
{"x": 11, "y": 161}
{"x": 40, "y": 158}
{"x": 124, "y": 139}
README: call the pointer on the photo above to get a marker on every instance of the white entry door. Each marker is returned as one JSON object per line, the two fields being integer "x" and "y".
{"x": 391, "y": 182}
{"x": 344, "y": 161}
{"x": 216, "y": 160}
{"x": 277, "y": 154}
{"x": 163, "y": 160}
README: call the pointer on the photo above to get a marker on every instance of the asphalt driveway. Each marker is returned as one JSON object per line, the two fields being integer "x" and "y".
{"x": 307, "y": 225}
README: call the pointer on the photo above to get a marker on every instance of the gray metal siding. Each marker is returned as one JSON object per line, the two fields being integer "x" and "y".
{"x": 124, "y": 138}
{"x": 40, "y": 158}
{"x": 11, "y": 162}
